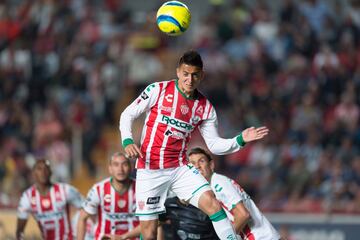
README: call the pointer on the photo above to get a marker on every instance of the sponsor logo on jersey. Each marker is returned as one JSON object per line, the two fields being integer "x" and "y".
{"x": 119, "y": 216}
{"x": 174, "y": 134}
{"x": 176, "y": 123}
{"x": 121, "y": 203}
{"x": 200, "y": 110}
{"x": 169, "y": 98}
{"x": 33, "y": 200}
{"x": 107, "y": 198}
{"x": 48, "y": 215}
{"x": 153, "y": 200}
{"x": 166, "y": 109}
{"x": 144, "y": 95}
{"x": 184, "y": 109}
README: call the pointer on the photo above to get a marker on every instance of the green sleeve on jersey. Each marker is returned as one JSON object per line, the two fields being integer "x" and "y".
{"x": 240, "y": 140}
{"x": 127, "y": 141}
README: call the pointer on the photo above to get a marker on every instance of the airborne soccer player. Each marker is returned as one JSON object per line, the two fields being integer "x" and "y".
{"x": 174, "y": 109}
{"x": 49, "y": 203}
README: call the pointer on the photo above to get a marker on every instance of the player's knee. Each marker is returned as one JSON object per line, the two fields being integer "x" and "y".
{"x": 149, "y": 234}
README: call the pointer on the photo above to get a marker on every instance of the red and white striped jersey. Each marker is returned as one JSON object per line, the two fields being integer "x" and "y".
{"x": 171, "y": 117}
{"x": 229, "y": 193}
{"x": 115, "y": 212}
{"x": 51, "y": 211}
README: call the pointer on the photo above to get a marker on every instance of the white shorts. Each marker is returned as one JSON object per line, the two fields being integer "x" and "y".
{"x": 152, "y": 187}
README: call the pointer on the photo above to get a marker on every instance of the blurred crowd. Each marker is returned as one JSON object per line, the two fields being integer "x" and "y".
{"x": 67, "y": 67}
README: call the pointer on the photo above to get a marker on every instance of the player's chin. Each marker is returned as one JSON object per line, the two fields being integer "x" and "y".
{"x": 120, "y": 178}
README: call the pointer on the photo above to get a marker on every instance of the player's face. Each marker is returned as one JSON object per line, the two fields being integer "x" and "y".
{"x": 41, "y": 173}
{"x": 201, "y": 162}
{"x": 119, "y": 168}
{"x": 189, "y": 78}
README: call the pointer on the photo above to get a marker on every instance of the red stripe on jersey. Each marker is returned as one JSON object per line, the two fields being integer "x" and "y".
{"x": 107, "y": 204}
{"x": 248, "y": 234}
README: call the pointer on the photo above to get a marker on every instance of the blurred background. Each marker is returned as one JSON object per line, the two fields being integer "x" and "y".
{"x": 68, "y": 68}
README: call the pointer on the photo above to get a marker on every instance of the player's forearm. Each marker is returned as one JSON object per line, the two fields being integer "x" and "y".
{"x": 20, "y": 227}
{"x": 240, "y": 222}
{"x": 81, "y": 228}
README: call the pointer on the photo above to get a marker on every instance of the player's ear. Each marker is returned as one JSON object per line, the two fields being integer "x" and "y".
{"x": 178, "y": 72}
{"x": 212, "y": 165}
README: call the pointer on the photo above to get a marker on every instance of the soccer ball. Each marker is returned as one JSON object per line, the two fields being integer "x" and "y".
{"x": 173, "y": 18}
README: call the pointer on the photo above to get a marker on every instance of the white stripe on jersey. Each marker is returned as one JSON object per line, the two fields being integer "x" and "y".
{"x": 38, "y": 206}
{"x": 168, "y": 127}
{"x": 154, "y": 129}
{"x": 66, "y": 219}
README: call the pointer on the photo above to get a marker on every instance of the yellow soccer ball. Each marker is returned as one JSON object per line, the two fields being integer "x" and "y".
{"x": 173, "y": 18}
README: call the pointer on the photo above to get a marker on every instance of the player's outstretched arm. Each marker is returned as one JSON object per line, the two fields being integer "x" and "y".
{"x": 252, "y": 133}
{"x": 20, "y": 227}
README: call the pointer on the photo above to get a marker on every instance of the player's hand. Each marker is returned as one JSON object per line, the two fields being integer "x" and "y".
{"x": 112, "y": 237}
{"x": 251, "y": 134}
{"x": 132, "y": 151}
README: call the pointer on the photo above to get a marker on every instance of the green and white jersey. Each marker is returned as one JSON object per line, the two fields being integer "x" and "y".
{"x": 229, "y": 193}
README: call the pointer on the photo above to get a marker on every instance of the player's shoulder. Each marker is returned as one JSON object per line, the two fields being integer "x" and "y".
{"x": 218, "y": 180}
{"x": 28, "y": 190}
{"x": 102, "y": 182}
{"x": 216, "y": 177}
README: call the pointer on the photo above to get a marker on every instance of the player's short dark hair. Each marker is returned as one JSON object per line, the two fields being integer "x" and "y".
{"x": 199, "y": 150}
{"x": 119, "y": 154}
{"x": 192, "y": 58}
{"x": 41, "y": 160}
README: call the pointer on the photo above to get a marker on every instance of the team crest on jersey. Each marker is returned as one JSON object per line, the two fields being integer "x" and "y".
{"x": 141, "y": 205}
{"x": 200, "y": 110}
{"x": 184, "y": 109}
{"x": 121, "y": 203}
{"x": 107, "y": 198}
{"x": 45, "y": 203}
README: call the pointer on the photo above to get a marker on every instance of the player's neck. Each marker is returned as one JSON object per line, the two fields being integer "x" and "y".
{"x": 43, "y": 188}
{"x": 120, "y": 186}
